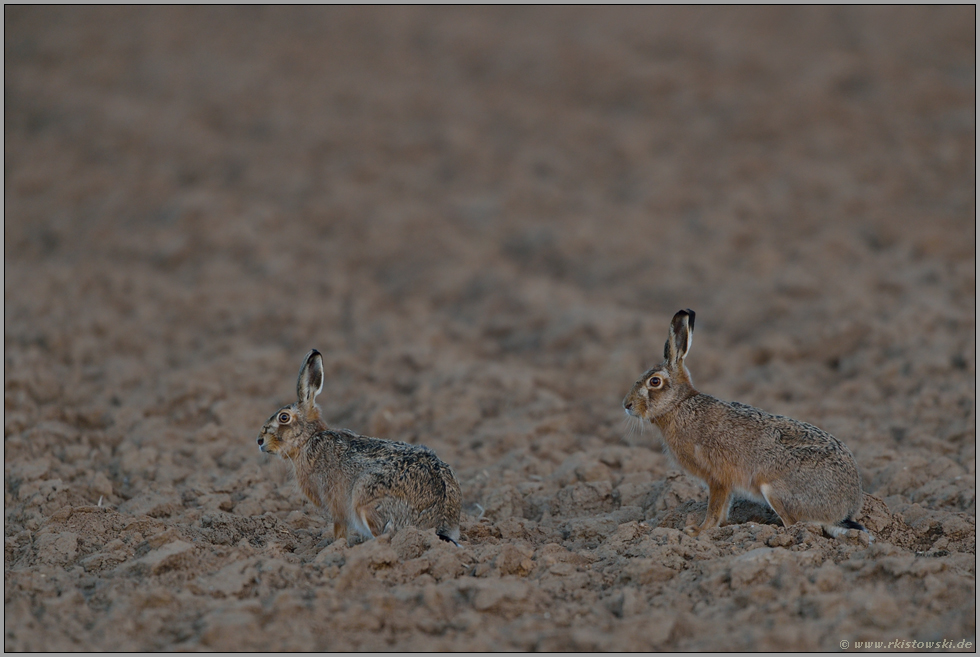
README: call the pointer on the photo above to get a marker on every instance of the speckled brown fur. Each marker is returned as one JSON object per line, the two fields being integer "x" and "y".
{"x": 801, "y": 471}
{"x": 368, "y": 485}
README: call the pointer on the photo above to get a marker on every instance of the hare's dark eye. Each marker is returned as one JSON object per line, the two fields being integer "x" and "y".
{"x": 655, "y": 382}
{"x": 284, "y": 418}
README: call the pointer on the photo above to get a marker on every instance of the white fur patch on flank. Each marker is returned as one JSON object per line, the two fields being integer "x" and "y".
{"x": 746, "y": 494}
{"x": 358, "y": 524}
{"x": 766, "y": 490}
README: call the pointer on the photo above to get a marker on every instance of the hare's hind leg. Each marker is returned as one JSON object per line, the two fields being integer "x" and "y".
{"x": 774, "y": 501}
{"x": 839, "y": 529}
{"x": 448, "y": 535}
{"x": 372, "y": 520}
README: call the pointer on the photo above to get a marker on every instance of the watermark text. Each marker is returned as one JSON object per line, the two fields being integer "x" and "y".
{"x": 907, "y": 644}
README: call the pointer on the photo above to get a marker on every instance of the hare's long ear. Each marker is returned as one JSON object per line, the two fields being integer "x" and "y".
{"x": 310, "y": 382}
{"x": 680, "y": 338}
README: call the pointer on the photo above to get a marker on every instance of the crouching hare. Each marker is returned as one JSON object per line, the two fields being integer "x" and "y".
{"x": 802, "y": 472}
{"x": 368, "y": 485}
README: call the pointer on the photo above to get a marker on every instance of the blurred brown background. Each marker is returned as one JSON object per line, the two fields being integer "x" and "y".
{"x": 484, "y": 218}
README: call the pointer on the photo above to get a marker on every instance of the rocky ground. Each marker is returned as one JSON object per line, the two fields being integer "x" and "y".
{"x": 485, "y": 219}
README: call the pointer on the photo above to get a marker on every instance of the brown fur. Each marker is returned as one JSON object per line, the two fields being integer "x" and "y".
{"x": 368, "y": 485}
{"x": 802, "y": 472}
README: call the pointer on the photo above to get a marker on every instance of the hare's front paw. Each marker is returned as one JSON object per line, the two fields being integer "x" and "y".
{"x": 356, "y": 539}
{"x": 708, "y": 524}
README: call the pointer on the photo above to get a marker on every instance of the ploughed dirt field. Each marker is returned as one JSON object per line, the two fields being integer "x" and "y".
{"x": 484, "y": 219}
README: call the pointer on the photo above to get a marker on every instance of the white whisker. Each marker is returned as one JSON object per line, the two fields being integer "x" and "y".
{"x": 627, "y": 431}
{"x": 633, "y": 426}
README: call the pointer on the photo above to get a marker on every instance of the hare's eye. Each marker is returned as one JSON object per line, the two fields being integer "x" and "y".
{"x": 655, "y": 382}
{"x": 284, "y": 418}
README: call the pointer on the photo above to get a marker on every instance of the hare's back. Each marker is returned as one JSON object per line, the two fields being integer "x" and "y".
{"x": 413, "y": 471}
{"x": 792, "y": 434}
{"x": 805, "y": 440}
{"x": 799, "y": 441}
{"x": 391, "y": 452}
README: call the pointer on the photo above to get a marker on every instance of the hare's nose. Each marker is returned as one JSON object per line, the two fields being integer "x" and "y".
{"x": 260, "y": 441}
{"x": 626, "y": 405}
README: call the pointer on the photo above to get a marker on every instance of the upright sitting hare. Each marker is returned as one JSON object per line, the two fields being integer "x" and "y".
{"x": 802, "y": 472}
{"x": 368, "y": 485}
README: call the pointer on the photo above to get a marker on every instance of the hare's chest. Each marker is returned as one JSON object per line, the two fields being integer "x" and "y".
{"x": 690, "y": 456}
{"x": 322, "y": 490}
{"x": 309, "y": 487}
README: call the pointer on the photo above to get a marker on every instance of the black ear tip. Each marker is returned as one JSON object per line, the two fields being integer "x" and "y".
{"x": 314, "y": 352}
{"x": 685, "y": 313}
